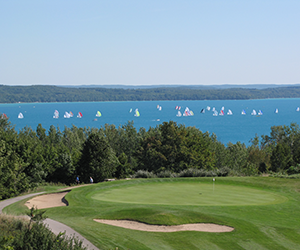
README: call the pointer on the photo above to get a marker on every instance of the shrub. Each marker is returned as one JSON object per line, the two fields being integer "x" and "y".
{"x": 24, "y": 234}
{"x": 166, "y": 174}
{"x": 144, "y": 174}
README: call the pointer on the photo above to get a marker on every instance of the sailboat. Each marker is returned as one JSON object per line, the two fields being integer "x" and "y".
{"x": 67, "y": 115}
{"x": 20, "y": 116}
{"x": 136, "y": 113}
{"x": 178, "y": 113}
{"x": 215, "y": 113}
{"x": 208, "y": 108}
{"x": 260, "y": 112}
{"x": 56, "y": 114}
{"x": 130, "y": 110}
{"x": 4, "y": 116}
{"x": 221, "y": 112}
{"x": 202, "y": 111}
{"x": 188, "y": 112}
{"x": 276, "y": 111}
{"x": 253, "y": 112}
{"x": 98, "y": 114}
{"x": 229, "y": 112}
{"x": 243, "y": 112}
{"x": 298, "y": 109}
{"x": 79, "y": 115}
{"x": 71, "y": 114}
{"x": 159, "y": 107}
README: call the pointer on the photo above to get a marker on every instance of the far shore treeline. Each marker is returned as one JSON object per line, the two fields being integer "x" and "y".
{"x": 29, "y": 158}
{"x": 42, "y": 93}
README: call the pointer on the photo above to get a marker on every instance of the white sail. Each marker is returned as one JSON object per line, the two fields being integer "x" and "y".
{"x": 243, "y": 112}
{"x": 253, "y": 112}
{"x": 178, "y": 114}
{"x": 56, "y": 114}
{"x": 67, "y": 115}
{"x": 20, "y": 116}
{"x": 276, "y": 111}
{"x": 260, "y": 112}
{"x": 229, "y": 112}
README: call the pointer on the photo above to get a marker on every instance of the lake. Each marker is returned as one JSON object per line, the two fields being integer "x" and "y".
{"x": 228, "y": 128}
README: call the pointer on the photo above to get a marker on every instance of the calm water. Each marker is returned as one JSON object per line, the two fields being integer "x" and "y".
{"x": 232, "y": 128}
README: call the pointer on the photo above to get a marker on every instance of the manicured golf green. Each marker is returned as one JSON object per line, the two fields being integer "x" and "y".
{"x": 264, "y": 212}
{"x": 212, "y": 194}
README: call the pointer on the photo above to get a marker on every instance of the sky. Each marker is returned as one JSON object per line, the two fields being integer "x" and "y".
{"x": 149, "y": 42}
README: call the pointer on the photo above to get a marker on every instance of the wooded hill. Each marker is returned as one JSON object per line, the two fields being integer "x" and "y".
{"x": 40, "y": 93}
{"x": 30, "y": 158}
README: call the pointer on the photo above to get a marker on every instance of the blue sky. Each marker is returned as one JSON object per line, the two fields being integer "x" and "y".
{"x": 143, "y": 42}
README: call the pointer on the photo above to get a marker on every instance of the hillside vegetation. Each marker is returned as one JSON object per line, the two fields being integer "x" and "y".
{"x": 31, "y": 157}
{"x": 39, "y": 93}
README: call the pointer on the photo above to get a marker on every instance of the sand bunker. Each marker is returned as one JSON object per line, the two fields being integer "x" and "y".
{"x": 48, "y": 200}
{"x": 201, "y": 227}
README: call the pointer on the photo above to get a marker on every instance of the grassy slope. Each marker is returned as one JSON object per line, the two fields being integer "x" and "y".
{"x": 273, "y": 226}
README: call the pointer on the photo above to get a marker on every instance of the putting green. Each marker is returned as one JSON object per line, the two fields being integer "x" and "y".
{"x": 189, "y": 194}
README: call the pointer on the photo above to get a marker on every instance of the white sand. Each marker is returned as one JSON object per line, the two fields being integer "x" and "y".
{"x": 202, "y": 227}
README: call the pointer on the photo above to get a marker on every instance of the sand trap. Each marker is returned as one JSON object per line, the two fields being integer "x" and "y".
{"x": 48, "y": 200}
{"x": 201, "y": 227}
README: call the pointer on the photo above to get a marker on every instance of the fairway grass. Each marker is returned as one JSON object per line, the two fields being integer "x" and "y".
{"x": 264, "y": 212}
{"x": 189, "y": 194}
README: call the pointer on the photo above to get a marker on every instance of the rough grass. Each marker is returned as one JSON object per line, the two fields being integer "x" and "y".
{"x": 271, "y": 226}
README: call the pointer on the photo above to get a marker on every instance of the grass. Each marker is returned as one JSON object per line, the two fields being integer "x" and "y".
{"x": 264, "y": 211}
{"x": 196, "y": 193}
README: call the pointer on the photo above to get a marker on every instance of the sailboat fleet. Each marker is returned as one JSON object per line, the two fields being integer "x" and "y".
{"x": 185, "y": 113}
{"x": 222, "y": 111}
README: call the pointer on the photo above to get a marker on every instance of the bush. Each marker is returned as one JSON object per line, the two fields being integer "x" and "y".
{"x": 144, "y": 174}
{"x": 293, "y": 170}
{"x": 224, "y": 171}
{"x": 21, "y": 234}
{"x": 166, "y": 174}
{"x": 192, "y": 172}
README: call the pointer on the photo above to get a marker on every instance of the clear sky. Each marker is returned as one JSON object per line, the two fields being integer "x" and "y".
{"x": 143, "y": 42}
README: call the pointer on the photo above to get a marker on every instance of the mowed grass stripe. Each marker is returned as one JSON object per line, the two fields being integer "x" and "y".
{"x": 189, "y": 194}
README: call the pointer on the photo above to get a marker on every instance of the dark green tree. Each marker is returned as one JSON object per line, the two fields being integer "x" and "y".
{"x": 281, "y": 158}
{"x": 97, "y": 160}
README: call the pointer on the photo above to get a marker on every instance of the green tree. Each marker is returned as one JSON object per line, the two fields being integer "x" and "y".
{"x": 98, "y": 159}
{"x": 281, "y": 158}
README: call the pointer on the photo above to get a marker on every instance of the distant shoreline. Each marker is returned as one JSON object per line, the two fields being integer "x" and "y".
{"x": 55, "y": 94}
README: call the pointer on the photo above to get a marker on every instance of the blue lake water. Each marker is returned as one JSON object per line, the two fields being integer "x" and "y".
{"x": 228, "y": 128}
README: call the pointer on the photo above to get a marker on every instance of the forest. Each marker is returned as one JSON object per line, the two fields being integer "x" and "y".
{"x": 29, "y": 158}
{"x": 40, "y": 93}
